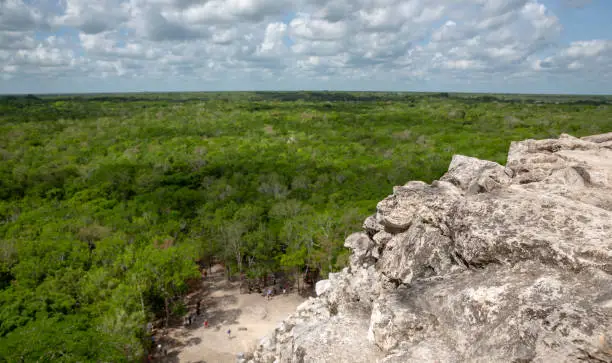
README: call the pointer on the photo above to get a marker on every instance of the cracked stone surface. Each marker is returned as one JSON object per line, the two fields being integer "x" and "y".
{"x": 491, "y": 263}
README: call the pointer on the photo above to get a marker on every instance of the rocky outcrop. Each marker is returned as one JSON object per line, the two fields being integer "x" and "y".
{"x": 488, "y": 264}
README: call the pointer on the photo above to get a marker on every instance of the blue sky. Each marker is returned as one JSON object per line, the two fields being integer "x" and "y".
{"x": 590, "y": 21}
{"x": 526, "y": 46}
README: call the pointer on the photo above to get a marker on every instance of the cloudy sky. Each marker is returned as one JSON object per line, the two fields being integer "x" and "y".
{"x": 535, "y": 46}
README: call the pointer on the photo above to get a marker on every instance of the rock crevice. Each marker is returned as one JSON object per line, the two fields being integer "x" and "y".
{"x": 488, "y": 264}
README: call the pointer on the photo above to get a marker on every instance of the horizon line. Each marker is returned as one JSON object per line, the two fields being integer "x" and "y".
{"x": 303, "y": 90}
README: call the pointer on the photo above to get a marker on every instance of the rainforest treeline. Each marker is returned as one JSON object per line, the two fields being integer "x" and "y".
{"x": 109, "y": 204}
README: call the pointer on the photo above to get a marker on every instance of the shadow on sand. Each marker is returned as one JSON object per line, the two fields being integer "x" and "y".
{"x": 211, "y": 310}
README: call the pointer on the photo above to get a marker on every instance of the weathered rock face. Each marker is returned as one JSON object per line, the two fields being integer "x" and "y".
{"x": 489, "y": 264}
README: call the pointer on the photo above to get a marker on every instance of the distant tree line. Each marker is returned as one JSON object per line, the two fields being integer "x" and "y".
{"x": 110, "y": 205}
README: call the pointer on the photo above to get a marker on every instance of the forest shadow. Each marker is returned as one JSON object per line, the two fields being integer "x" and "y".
{"x": 172, "y": 357}
{"x": 193, "y": 341}
{"x": 211, "y": 307}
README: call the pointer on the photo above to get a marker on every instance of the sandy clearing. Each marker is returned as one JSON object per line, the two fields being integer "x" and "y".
{"x": 226, "y": 308}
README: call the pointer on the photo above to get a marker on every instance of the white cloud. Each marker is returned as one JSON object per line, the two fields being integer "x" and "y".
{"x": 10, "y": 68}
{"x": 93, "y": 17}
{"x": 105, "y": 45}
{"x": 308, "y": 28}
{"x": 43, "y": 56}
{"x": 379, "y": 19}
{"x": 224, "y": 35}
{"x": 272, "y": 44}
{"x": 575, "y": 65}
{"x": 591, "y": 48}
{"x": 593, "y": 56}
{"x": 429, "y": 14}
{"x": 497, "y": 7}
{"x": 462, "y": 64}
{"x": 317, "y": 47}
{"x": 541, "y": 20}
{"x": 16, "y": 40}
{"x": 447, "y": 33}
{"x": 215, "y": 40}
{"x": 16, "y": 15}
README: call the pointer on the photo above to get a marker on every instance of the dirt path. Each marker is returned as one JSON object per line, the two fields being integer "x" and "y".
{"x": 249, "y": 317}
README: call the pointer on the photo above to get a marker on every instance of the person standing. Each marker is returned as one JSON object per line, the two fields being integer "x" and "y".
{"x": 229, "y": 333}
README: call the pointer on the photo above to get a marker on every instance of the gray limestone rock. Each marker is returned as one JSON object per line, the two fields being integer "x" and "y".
{"x": 321, "y": 287}
{"x": 371, "y": 226}
{"x": 489, "y": 264}
{"x": 475, "y": 176}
